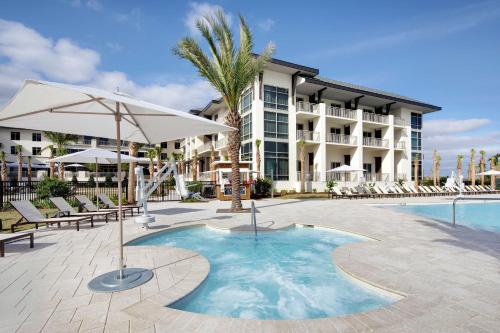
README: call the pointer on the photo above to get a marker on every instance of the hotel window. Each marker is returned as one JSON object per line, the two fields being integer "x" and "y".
{"x": 246, "y": 151}
{"x": 367, "y": 134}
{"x": 334, "y": 165}
{"x": 164, "y": 145}
{"x": 275, "y": 98}
{"x": 416, "y": 120}
{"x": 36, "y": 137}
{"x": 15, "y": 135}
{"x": 87, "y": 140}
{"x": 13, "y": 150}
{"x": 416, "y": 140}
{"x": 177, "y": 145}
{"x": 246, "y": 100}
{"x": 36, "y": 151}
{"x": 276, "y": 160}
{"x": 164, "y": 156}
{"x": 246, "y": 128}
{"x": 275, "y": 125}
{"x": 103, "y": 141}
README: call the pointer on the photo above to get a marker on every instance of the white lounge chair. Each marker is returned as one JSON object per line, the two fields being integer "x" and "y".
{"x": 182, "y": 189}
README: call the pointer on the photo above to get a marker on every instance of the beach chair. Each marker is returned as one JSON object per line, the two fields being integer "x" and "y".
{"x": 400, "y": 191}
{"x": 33, "y": 216}
{"x": 110, "y": 204}
{"x": 90, "y": 207}
{"x": 182, "y": 189}
{"x": 67, "y": 210}
{"x": 10, "y": 238}
{"x": 335, "y": 193}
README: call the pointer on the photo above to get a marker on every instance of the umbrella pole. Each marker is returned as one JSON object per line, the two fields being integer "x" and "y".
{"x": 119, "y": 171}
{"x": 97, "y": 182}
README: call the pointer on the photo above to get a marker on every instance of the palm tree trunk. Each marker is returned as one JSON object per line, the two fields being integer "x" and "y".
{"x": 481, "y": 170}
{"x": 133, "y": 150}
{"x": 29, "y": 171}
{"x": 493, "y": 183}
{"x": 159, "y": 165}
{"x": 213, "y": 176}
{"x": 52, "y": 167}
{"x": 234, "y": 153}
{"x": 4, "y": 171}
{"x": 60, "y": 170}
{"x": 438, "y": 176}
{"x": 151, "y": 170}
{"x": 415, "y": 163}
{"x": 19, "y": 167}
{"x": 194, "y": 167}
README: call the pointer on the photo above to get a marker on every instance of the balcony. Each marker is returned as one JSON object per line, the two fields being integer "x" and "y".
{"x": 309, "y": 176}
{"x": 307, "y": 107}
{"x": 400, "y": 145}
{"x": 376, "y": 177}
{"x": 341, "y": 139}
{"x": 400, "y": 122}
{"x": 337, "y": 112}
{"x": 342, "y": 177}
{"x": 205, "y": 147}
{"x": 375, "y": 118}
{"x": 374, "y": 142}
{"x": 308, "y": 135}
{"x": 221, "y": 143}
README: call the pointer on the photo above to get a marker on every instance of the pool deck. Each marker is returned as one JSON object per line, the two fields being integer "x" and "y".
{"x": 450, "y": 277}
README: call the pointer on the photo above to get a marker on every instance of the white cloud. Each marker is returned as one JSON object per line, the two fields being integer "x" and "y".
{"x": 266, "y": 25}
{"x": 198, "y": 11}
{"x": 91, "y": 4}
{"x": 453, "y": 126}
{"x": 28, "y": 54}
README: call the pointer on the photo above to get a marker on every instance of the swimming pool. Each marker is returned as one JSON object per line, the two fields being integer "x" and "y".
{"x": 288, "y": 274}
{"x": 485, "y": 216}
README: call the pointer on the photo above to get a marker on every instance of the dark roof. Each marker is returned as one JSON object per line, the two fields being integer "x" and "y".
{"x": 198, "y": 111}
{"x": 370, "y": 91}
{"x": 308, "y": 70}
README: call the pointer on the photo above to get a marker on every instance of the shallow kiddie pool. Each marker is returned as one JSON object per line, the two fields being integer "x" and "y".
{"x": 288, "y": 274}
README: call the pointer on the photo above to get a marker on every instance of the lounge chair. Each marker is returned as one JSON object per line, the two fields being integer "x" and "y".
{"x": 90, "y": 207}
{"x": 110, "y": 204}
{"x": 33, "y": 216}
{"x": 182, "y": 189}
{"x": 67, "y": 210}
{"x": 10, "y": 238}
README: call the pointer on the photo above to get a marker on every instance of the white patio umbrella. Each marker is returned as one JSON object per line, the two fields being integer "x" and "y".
{"x": 88, "y": 111}
{"x": 345, "y": 169}
{"x": 94, "y": 155}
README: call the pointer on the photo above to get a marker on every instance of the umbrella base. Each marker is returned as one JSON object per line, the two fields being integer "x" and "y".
{"x": 111, "y": 282}
{"x": 144, "y": 220}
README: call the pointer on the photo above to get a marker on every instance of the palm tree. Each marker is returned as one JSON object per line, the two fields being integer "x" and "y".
{"x": 133, "y": 150}
{"x": 230, "y": 70}
{"x": 482, "y": 165}
{"x": 29, "y": 170}
{"x": 302, "y": 147}
{"x": 60, "y": 141}
{"x": 52, "y": 165}
{"x": 3, "y": 171}
{"x": 194, "y": 165}
{"x": 459, "y": 164}
{"x": 472, "y": 167}
{"x": 151, "y": 154}
{"x": 159, "y": 164}
{"x": 212, "y": 164}
{"x": 258, "y": 142}
{"x": 434, "y": 155}
{"x": 493, "y": 182}
{"x": 19, "y": 154}
{"x": 438, "y": 169}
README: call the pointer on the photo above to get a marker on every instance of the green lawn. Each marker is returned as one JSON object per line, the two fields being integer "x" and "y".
{"x": 10, "y": 216}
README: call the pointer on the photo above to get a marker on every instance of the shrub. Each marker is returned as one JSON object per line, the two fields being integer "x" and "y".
{"x": 108, "y": 181}
{"x": 283, "y": 192}
{"x": 263, "y": 186}
{"x": 401, "y": 181}
{"x": 315, "y": 190}
{"x": 91, "y": 181}
{"x": 195, "y": 187}
{"x": 52, "y": 187}
{"x": 114, "y": 198}
{"x": 292, "y": 191}
{"x": 330, "y": 184}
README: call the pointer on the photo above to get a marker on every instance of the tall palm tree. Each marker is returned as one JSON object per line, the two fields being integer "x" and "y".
{"x": 29, "y": 171}
{"x": 258, "y": 142}
{"x": 3, "y": 172}
{"x": 133, "y": 150}
{"x": 302, "y": 148}
{"x": 482, "y": 164}
{"x": 151, "y": 154}
{"x": 438, "y": 169}
{"x": 493, "y": 162}
{"x": 194, "y": 165}
{"x": 19, "y": 155}
{"x": 60, "y": 142}
{"x": 230, "y": 70}
{"x": 459, "y": 164}
{"x": 52, "y": 165}
{"x": 472, "y": 167}
{"x": 434, "y": 177}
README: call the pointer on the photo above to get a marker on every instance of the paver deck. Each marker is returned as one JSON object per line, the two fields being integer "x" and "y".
{"x": 450, "y": 277}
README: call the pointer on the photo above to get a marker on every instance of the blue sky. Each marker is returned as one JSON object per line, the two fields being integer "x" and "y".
{"x": 443, "y": 52}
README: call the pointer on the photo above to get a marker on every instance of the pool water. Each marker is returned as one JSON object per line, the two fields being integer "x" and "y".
{"x": 485, "y": 216}
{"x": 287, "y": 274}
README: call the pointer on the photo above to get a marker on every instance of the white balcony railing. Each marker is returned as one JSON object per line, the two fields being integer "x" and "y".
{"x": 342, "y": 177}
{"x": 309, "y": 176}
{"x": 308, "y": 135}
{"x": 221, "y": 143}
{"x": 376, "y": 177}
{"x": 307, "y": 107}
{"x": 333, "y": 111}
{"x": 374, "y": 142}
{"x": 341, "y": 139}
{"x": 375, "y": 118}
{"x": 399, "y": 145}
{"x": 205, "y": 147}
{"x": 399, "y": 121}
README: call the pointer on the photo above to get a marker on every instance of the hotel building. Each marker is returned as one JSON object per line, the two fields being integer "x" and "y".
{"x": 338, "y": 123}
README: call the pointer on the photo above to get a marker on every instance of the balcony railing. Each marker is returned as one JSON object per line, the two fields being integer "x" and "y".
{"x": 399, "y": 121}
{"x": 205, "y": 147}
{"x": 341, "y": 139}
{"x": 307, "y": 107}
{"x": 376, "y": 177}
{"x": 334, "y": 111}
{"x": 374, "y": 142}
{"x": 309, "y": 176}
{"x": 307, "y": 135}
{"x": 221, "y": 143}
{"x": 341, "y": 177}
{"x": 375, "y": 118}
{"x": 399, "y": 145}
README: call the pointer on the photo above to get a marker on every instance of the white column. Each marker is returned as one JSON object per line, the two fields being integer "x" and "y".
{"x": 357, "y": 131}
{"x": 388, "y": 161}
{"x": 292, "y": 145}
{"x": 321, "y": 155}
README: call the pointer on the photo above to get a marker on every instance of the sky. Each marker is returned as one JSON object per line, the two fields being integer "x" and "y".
{"x": 446, "y": 53}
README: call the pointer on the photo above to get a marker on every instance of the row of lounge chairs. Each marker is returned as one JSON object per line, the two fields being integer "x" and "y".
{"x": 405, "y": 190}
{"x": 67, "y": 214}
